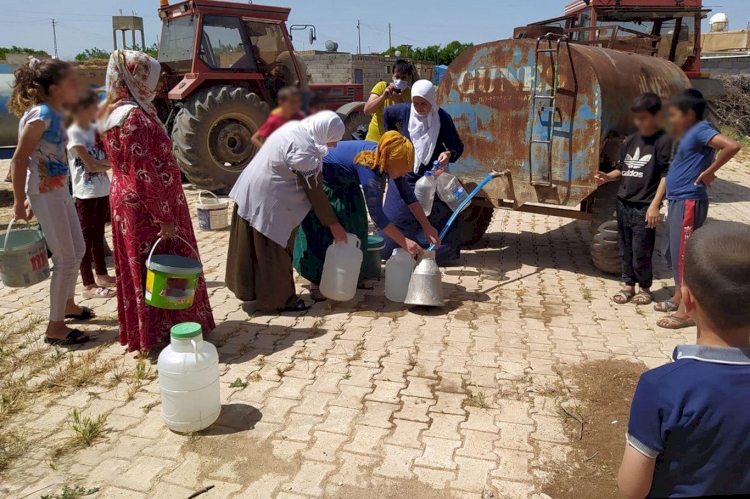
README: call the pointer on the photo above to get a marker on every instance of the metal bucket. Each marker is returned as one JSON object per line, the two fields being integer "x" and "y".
{"x": 213, "y": 213}
{"x": 426, "y": 286}
{"x": 23, "y": 258}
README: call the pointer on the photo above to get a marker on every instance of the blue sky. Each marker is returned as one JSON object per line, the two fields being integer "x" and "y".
{"x": 86, "y": 23}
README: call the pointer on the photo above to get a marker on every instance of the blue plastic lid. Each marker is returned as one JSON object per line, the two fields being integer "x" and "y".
{"x": 375, "y": 243}
{"x": 428, "y": 173}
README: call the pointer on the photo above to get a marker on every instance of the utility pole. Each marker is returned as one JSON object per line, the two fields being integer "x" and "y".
{"x": 359, "y": 38}
{"x": 54, "y": 35}
{"x": 390, "y": 46}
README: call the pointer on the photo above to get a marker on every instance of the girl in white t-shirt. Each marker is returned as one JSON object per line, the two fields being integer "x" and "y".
{"x": 41, "y": 91}
{"x": 88, "y": 167}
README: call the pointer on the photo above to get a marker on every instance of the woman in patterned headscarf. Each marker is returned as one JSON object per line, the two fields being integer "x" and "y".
{"x": 352, "y": 168}
{"x": 146, "y": 199}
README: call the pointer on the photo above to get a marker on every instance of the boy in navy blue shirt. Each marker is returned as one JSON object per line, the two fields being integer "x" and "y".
{"x": 691, "y": 173}
{"x": 690, "y": 420}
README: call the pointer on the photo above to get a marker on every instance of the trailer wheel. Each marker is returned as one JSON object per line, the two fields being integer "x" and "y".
{"x": 211, "y": 136}
{"x": 474, "y": 222}
{"x": 605, "y": 249}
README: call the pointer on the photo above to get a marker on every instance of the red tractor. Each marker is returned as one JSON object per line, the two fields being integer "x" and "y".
{"x": 223, "y": 65}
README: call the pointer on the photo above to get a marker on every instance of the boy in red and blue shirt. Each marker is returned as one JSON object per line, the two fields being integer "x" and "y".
{"x": 690, "y": 420}
{"x": 691, "y": 173}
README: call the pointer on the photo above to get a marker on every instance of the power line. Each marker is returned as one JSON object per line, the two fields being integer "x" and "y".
{"x": 54, "y": 35}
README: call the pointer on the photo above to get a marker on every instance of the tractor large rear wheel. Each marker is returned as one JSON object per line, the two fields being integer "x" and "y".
{"x": 212, "y": 132}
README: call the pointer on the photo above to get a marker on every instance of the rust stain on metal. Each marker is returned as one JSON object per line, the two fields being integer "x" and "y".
{"x": 489, "y": 92}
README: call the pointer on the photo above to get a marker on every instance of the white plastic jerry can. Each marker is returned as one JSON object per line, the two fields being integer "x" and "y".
{"x": 341, "y": 269}
{"x": 189, "y": 380}
{"x": 398, "y": 271}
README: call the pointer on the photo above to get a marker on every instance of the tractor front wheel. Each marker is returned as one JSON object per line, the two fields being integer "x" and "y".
{"x": 212, "y": 132}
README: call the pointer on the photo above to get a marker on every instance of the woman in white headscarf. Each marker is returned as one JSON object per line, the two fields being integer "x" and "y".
{"x": 272, "y": 196}
{"x": 435, "y": 138}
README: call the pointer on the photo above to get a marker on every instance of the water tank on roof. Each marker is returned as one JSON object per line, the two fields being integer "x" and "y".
{"x": 719, "y": 22}
{"x": 332, "y": 46}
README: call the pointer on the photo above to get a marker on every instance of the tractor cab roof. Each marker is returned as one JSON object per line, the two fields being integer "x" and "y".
{"x": 215, "y": 7}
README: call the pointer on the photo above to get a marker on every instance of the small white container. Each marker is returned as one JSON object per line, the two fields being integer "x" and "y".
{"x": 398, "y": 271}
{"x": 213, "y": 213}
{"x": 189, "y": 380}
{"x": 341, "y": 269}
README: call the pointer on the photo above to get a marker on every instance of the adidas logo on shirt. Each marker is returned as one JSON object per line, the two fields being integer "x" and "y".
{"x": 634, "y": 163}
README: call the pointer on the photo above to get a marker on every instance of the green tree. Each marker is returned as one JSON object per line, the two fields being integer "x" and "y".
{"x": 94, "y": 53}
{"x": 97, "y": 53}
{"x": 4, "y": 51}
{"x": 432, "y": 53}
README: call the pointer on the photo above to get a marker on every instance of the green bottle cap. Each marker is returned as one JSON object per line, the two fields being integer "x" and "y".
{"x": 185, "y": 331}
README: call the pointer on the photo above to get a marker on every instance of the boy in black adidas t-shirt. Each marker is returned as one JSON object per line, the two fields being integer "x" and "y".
{"x": 643, "y": 164}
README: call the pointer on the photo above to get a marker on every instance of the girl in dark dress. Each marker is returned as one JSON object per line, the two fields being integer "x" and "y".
{"x": 435, "y": 138}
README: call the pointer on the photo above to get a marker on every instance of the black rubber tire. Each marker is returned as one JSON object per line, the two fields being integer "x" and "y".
{"x": 352, "y": 121}
{"x": 605, "y": 249}
{"x": 473, "y": 223}
{"x": 224, "y": 115}
{"x": 603, "y": 209}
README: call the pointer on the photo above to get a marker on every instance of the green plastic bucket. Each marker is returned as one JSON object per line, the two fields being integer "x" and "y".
{"x": 171, "y": 280}
{"x": 371, "y": 266}
{"x": 23, "y": 257}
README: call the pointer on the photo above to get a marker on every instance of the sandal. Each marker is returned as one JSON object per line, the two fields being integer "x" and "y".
{"x": 317, "y": 295}
{"x": 100, "y": 292}
{"x": 75, "y": 337}
{"x": 643, "y": 298}
{"x": 674, "y": 322}
{"x": 298, "y": 306}
{"x": 623, "y": 297}
{"x": 667, "y": 306}
{"x": 86, "y": 315}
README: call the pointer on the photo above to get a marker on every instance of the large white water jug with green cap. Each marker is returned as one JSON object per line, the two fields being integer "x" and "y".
{"x": 189, "y": 380}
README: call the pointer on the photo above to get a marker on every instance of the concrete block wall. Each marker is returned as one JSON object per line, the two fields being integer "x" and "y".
{"x": 338, "y": 67}
{"x": 727, "y": 65}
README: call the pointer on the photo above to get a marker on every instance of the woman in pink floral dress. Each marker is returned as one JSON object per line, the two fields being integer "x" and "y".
{"x": 147, "y": 200}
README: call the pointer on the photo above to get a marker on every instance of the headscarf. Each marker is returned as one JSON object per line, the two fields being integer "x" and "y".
{"x": 394, "y": 155}
{"x": 324, "y": 127}
{"x": 424, "y": 130}
{"x": 132, "y": 78}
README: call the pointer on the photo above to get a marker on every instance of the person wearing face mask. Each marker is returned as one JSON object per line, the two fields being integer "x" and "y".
{"x": 435, "y": 138}
{"x": 386, "y": 94}
{"x": 274, "y": 194}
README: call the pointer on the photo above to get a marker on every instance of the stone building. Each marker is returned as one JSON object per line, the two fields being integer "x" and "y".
{"x": 342, "y": 67}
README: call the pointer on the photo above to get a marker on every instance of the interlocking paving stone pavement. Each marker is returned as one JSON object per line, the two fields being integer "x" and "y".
{"x": 366, "y": 392}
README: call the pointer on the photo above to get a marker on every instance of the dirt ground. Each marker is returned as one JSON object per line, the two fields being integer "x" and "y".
{"x": 594, "y": 400}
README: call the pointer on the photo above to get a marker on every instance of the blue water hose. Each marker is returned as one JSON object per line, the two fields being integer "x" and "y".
{"x": 465, "y": 202}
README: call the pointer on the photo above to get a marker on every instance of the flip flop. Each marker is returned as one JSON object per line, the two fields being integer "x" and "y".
{"x": 75, "y": 337}
{"x": 317, "y": 295}
{"x": 86, "y": 315}
{"x": 667, "y": 306}
{"x": 624, "y": 297}
{"x": 643, "y": 298}
{"x": 100, "y": 292}
{"x": 298, "y": 306}
{"x": 673, "y": 322}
